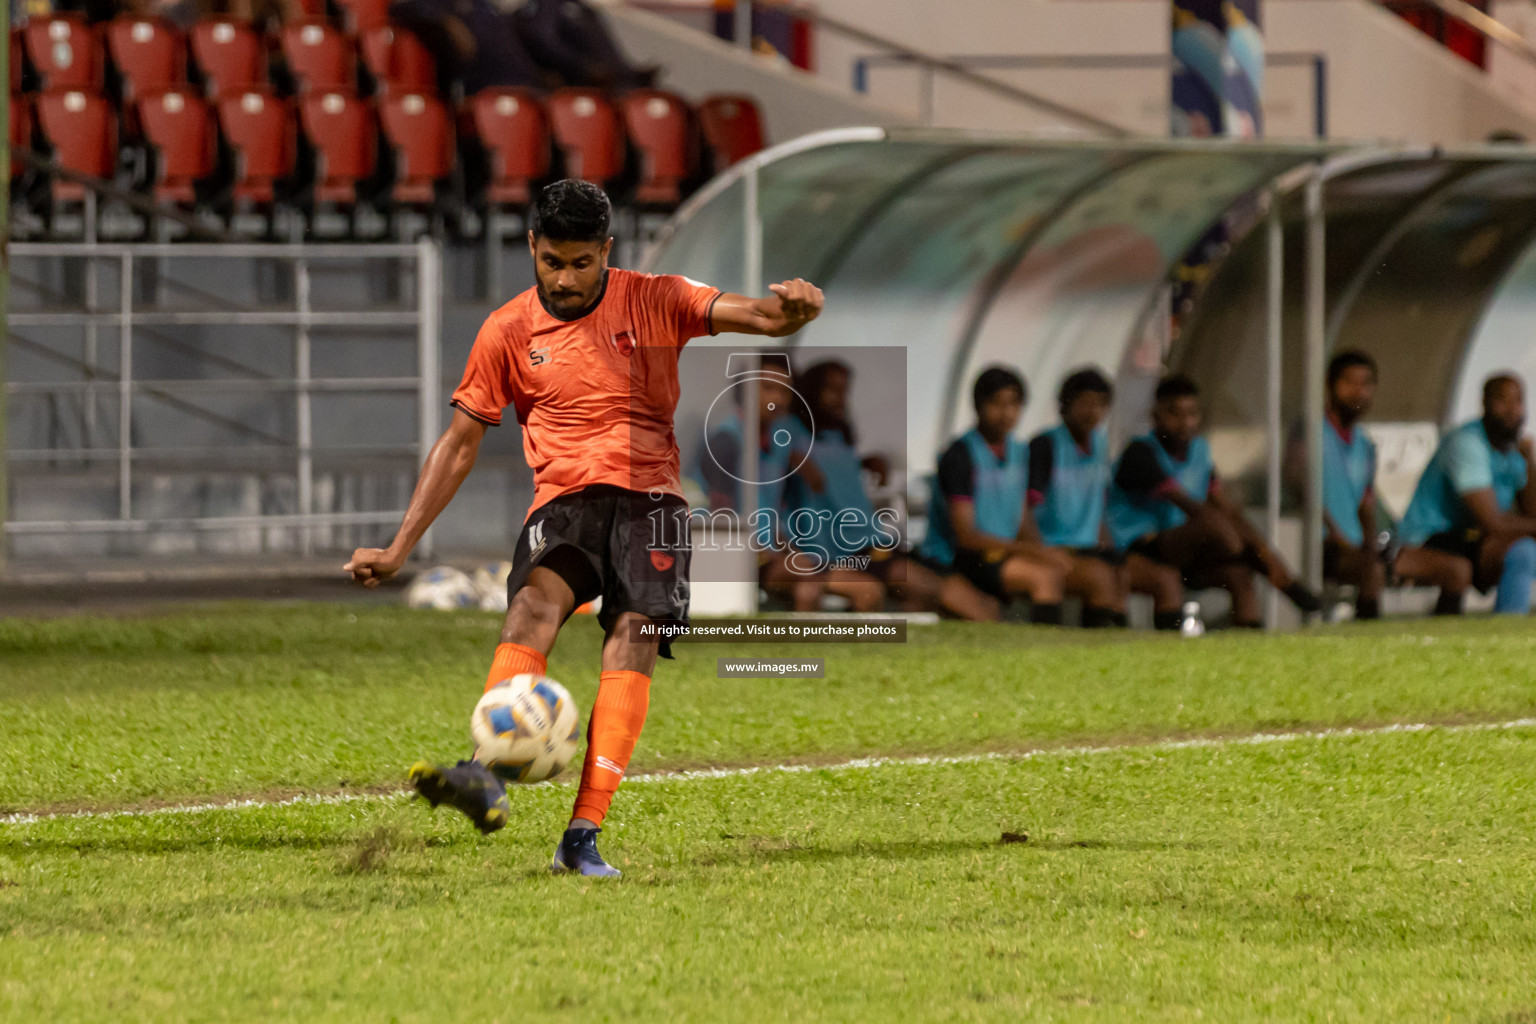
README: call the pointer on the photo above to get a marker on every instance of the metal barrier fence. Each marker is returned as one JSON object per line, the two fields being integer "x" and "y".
{"x": 138, "y": 265}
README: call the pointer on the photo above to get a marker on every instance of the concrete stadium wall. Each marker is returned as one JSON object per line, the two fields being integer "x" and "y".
{"x": 695, "y": 65}
{"x": 1385, "y": 80}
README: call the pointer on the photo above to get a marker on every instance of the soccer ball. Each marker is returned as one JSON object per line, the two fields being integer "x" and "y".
{"x": 525, "y": 728}
{"x": 490, "y": 582}
{"x": 442, "y": 588}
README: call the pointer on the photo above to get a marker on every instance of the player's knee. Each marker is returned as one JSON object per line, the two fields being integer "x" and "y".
{"x": 627, "y": 625}
{"x": 1225, "y": 539}
{"x": 867, "y": 597}
{"x": 1103, "y": 584}
{"x": 1166, "y": 587}
{"x": 531, "y": 607}
{"x": 1236, "y": 579}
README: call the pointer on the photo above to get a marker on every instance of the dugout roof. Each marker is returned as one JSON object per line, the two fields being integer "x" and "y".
{"x": 1043, "y": 254}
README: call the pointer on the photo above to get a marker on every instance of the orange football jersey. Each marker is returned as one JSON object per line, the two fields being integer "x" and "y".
{"x": 595, "y": 395}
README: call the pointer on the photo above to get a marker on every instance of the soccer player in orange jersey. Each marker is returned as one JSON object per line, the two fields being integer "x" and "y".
{"x": 588, "y": 360}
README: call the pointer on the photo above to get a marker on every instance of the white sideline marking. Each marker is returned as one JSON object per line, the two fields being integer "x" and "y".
{"x": 1159, "y": 746}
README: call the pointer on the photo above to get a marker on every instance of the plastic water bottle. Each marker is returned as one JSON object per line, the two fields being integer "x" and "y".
{"x": 1192, "y": 626}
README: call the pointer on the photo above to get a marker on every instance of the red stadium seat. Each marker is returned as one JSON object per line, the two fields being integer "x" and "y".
{"x": 586, "y": 128}
{"x": 259, "y": 127}
{"x": 65, "y": 50}
{"x": 177, "y": 124}
{"x": 733, "y": 128}
{"x": 83, "y": 131}
{"x": 660, "y": 127}
{"x": 319, "y": 56}
{"x": 150, "y": 54}
{"x": 398, "y": 61}
{"x": 343, "y": 130}
{"x": 21, "y": 132}
{"x": 15, "y": 61}
{"x": 419, "y": 128}
{"x": 231, "y": 56}
{"x": 363, "y": 16}
{"x": 512, "y": 126}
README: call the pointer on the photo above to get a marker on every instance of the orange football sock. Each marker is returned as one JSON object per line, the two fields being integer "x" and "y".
{"x": 514, "y": 660}
{"x": 618, "y": 715}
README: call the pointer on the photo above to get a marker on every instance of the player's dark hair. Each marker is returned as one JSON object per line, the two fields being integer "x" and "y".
{"x": 1177, "y": 385}
{"x": 1498, "y": 380}
{"x": 994, "y": 379}
{"x": 1348, "y": 360}
{"x": 812, "y": 413}
{"x": 571, "y": 211}
{"x": 1087, "y": 381}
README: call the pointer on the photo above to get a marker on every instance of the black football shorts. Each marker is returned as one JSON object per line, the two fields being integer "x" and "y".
{"x": 630, "y": 548}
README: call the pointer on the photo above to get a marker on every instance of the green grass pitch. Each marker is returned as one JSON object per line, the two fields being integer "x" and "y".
{"x": 1370, "y": 876}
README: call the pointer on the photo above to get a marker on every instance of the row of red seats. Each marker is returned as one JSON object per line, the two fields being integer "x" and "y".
{"x": 151, "y": 55}
{"x": 518, "y": 130}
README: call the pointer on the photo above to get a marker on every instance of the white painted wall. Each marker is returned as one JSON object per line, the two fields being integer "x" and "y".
{"x": 1386, "y": 80}
{"x": 1512, "y": 73}
{"x": 1389, "y": 81}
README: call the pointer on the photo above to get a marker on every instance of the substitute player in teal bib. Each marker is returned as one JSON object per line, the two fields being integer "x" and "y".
{"x": 852, "y": 547}
{"x": 1168, "y": 514}
{"x": 783, "y": 444}
{"x": 1473, "y": 515}
{"x": 1350, "y": 551}
{"x": 1068, "y": 488}
{"x": 978, "y": 523}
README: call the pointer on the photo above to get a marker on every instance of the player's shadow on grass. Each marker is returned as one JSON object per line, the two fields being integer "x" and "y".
{"x": 752, "y": 849}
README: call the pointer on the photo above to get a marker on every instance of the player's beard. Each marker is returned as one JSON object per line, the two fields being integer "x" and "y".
{"x": 1500, "y": 434}
{"x": 570, "y": 303}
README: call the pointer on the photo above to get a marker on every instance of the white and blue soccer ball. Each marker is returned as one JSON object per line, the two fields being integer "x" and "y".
{"x": 490, "y": 580}
{"x": 443, "y": 589}
{"x": 525, "y": 728}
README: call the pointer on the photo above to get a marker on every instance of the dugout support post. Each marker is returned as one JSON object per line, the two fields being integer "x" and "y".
{"x": 1313, "y": 361}
{"x": 5, "y": 284}
{"x": 1274, "y": 313}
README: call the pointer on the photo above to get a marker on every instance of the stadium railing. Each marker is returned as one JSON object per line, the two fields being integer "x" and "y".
{"x": 931, "y": 63}
{"x": 195, "y": 403}
{"x": 928, "y": 81}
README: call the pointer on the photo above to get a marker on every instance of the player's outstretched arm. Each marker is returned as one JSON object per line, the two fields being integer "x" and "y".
{"x": 792, "y": 305}
{"x": 450, "y": 461}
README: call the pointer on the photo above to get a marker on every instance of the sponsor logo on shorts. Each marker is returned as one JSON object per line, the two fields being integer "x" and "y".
{"x": 661, "y": 561}
{"x": 624, "y": 341}
{"x": 535, "y": 537}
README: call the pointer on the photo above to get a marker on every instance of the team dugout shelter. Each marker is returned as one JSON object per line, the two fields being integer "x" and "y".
{"x": 1242, "y": 264}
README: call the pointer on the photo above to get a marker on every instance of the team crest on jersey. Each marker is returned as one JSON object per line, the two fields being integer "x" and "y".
{"x": 538, "y": 356}
{"x": 661, "y": 561}
{"x": 624, "y": 341}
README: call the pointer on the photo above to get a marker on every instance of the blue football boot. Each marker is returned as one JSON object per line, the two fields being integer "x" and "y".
{"x": 468, "y": 787}
{"x": 578, "y": 852}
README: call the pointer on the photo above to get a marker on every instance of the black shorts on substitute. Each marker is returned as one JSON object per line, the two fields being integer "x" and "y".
{"x": 983, "y": 570}
{"x": 631, "y": 548}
